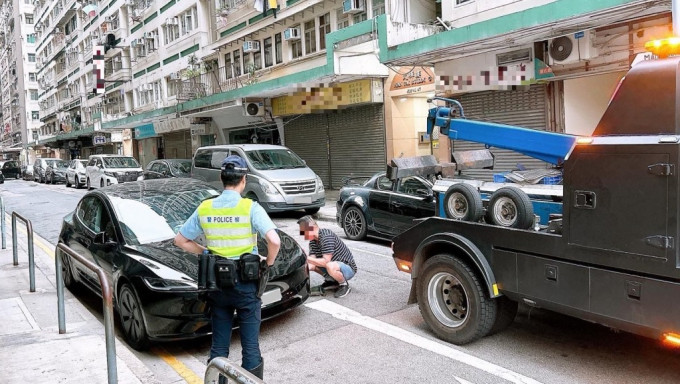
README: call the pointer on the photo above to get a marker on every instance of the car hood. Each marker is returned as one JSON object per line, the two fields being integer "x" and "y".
{"x": 288, "y": 174}
{"x": 167, "y": 260}
{"x": 123, "y": 169}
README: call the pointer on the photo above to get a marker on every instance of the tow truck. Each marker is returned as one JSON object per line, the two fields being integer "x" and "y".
{"x": 611, "y": 257}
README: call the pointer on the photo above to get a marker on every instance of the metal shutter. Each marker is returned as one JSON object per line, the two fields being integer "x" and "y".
{"x": 177, "y": 145}
{"x": 357, "y": 142}
{"x": 307, "y": 136}
{"x": 521, "y": 108}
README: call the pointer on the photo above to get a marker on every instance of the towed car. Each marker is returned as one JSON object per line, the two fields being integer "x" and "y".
{"x": 129, "y": 229}
{"x": 383, "y": 208}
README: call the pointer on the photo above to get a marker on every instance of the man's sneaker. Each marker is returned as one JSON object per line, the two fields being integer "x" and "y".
{"x": 316, "y": 291}
{"x": 342, "y": 291}
{"x": 330, "y": 285}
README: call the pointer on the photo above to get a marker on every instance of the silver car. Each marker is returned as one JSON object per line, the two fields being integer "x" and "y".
{"x": 278, "y": 179}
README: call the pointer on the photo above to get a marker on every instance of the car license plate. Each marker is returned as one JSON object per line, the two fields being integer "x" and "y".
{"x": 302, "y": 200}
{"x": 270, "y": 297}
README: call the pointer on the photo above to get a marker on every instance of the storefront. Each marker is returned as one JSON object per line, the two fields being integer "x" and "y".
{"x": 149, "y": 144}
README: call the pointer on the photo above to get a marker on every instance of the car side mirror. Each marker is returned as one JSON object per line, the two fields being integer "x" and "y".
{"x": 101, "y": 238}
{"x": 424, "y": 193}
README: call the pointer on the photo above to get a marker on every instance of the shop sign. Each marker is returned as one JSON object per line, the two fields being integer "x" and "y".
{"x": 172, "y": 125}
{"x": 117, "y": 136}
{"x": 145, "y": 131}
{"x": 412, "y": 80}
{"x": 324, "y": 98}
{"x": 197, "y": 129}
{"x": 98, "y": 139}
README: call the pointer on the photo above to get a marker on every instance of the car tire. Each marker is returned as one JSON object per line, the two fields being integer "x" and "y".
{"x": 67, "y": 273}
{"x": 77, "y": 182}
{"x": 68, "y": 183}
{"x": 463, "y": 202}
{"x": 89, "y": 187}
{"x": 505, "y": 314}
{"x": 311, "y": 211}
{"x": 132, "y": 318}
{"x": 17, "y": 176}
{"x": 354, "y": 223}
{"x": 453, "y": 301}
{"x": 510, "y": 207}
{"x": 51, "y": 178}
{"x": 252, "y": 196}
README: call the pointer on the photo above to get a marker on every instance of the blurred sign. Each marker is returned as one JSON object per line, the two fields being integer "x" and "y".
{"x": 197, "y": 129}
{"x": 98, "y": 139}
{"x": 117, "y": 136}
{"x": 412, "y": 79}
{"x": 323, "y": 98}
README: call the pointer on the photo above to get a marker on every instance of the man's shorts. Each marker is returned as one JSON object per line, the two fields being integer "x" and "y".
{"x": 347, "y": 271}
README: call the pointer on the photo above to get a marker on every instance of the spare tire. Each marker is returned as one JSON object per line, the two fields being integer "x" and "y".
{"x": 463, "y": 202}
{"x": 510, "y": 207}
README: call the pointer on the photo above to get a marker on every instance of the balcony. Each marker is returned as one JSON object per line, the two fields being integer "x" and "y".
{"x": 210, "y": 83}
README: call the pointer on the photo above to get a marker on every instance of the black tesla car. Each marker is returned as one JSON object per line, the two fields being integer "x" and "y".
{"x": 383, "y": 208}
{"x": 128, "y": 230}
{"x": 164, "y": 168}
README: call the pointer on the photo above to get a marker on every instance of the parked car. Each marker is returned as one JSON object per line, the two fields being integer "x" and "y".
{"x": 129, "y": 229}
{"x": 56, "y": 171}
{"x": 10, "y": 169}
{"x": 40, "y": 169}
{"x": 27, "y": 172}
{"x": 278, "y": 179}
{"x": 2, "y": 178}
{"x": 103, "y": 170}
{"x": 76, "y": 174}
{"x": 161, "y": 169}
{"x": 383, "y": 208}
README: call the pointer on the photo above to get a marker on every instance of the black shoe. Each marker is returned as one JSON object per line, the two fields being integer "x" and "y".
{"x": 330, "y": 285}
{"x": 342, "y": 291}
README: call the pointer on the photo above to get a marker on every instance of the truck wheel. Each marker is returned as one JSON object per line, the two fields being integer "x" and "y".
{"x": 354, "y": 223}
{"x": 505, "y": 314}
{"x": 510, "y": 207}
{"x": 453, "y": 302}
{"x": 463, "y": 202}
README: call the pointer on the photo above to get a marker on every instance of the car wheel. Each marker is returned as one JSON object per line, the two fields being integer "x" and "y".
{"x": 77, "y": 182}
{"x": 354, "y": 223}
{"x": 51, "y": 178}
{"x": 132, "y": 318}
{"x": 453, "y": 302}
{"x": 507, "y": 310}
{"x": 252, "y": 196}
{"x": 311, "y": 211}
{"x": 89, "y": 187}
{"x": 66, "y": 272}
{"x": 463, "y": 202}
{"x": 510, "y": 207}
{"x": 68, "y": 183}
{"x": 17, "y": 176}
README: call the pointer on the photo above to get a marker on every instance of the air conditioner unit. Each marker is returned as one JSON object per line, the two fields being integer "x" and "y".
{"x": 352, "y": 6}
{"x": 572, "y": 48}
{"x": 253, "y": 108}
{"x": 291, "y": 34}
{"x": 251, "y": 46}
{"x": 174, "y": 76}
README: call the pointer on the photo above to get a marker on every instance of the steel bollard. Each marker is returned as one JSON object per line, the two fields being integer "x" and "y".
{"x": 2, "y": 223}
{"x": 107, "y": 299}
{"x": 230, "y": 370}
{"x": 15, "y": 248}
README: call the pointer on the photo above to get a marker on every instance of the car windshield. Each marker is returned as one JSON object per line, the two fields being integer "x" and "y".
{"x": 120, "y": 162}
{"x": 274, "y": 159}
{"x": 57, "y": 163}
{"x": 181, "y": 167}
{"x": 157, "y": 216}
{"x": 81, "y": 163}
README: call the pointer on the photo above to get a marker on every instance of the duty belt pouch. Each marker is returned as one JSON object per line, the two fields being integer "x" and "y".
{"x": 249, "y": 267}
{"x": 225, "y": 271}
{"x": 203, "y": 271}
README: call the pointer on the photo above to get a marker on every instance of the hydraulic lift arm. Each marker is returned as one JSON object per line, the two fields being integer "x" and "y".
{"x": 547, "y": 146}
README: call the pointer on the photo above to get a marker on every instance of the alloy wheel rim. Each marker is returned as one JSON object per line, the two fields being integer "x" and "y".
{"x": 505, "y": 211}
{"x": 130, "y": 316}
{"x": 458, "y": 206}
{"x": 353, "y": 223}
{"x": 448, "y": 299}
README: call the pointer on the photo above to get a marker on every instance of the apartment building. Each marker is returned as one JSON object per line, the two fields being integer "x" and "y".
{"x": 18, "y": 79}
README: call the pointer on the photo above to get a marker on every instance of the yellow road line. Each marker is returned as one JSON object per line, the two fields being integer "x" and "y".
{"x": 187, "y": 374}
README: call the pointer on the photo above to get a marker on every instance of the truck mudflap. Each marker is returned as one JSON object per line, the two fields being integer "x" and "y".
{"x": 452, "y": 243}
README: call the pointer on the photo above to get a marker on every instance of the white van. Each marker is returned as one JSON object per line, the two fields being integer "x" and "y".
{"x": 277, "y": 178}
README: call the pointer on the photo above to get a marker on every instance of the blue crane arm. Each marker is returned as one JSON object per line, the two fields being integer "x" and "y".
{"x": 547, "y": 146}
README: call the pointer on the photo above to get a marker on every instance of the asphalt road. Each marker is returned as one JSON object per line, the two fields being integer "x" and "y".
{"x": 372, "y": 336}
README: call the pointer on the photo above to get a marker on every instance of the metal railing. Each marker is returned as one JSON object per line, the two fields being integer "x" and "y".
{"x": 107, "y": 302}
{"x": 230, "y": 370}
{"x": 2, "y": 223}
{"x": 15, "y": 248}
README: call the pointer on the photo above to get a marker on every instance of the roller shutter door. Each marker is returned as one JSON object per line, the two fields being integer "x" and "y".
{"x": 307, "y": 136}
{"x": 177, "y": 145}
{"x": 357, "y": 142}
{"x": 521, "y": 108}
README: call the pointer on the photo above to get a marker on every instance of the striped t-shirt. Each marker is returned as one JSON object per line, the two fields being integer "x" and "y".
{"x": 329, "y": 242}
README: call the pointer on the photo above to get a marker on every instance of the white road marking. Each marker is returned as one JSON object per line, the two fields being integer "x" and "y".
{"x": 344, "y": 313}
{"x": 462, "y": 381}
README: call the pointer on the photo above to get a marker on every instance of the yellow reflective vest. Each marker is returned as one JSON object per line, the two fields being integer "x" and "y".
{"x": 228, "y": 231}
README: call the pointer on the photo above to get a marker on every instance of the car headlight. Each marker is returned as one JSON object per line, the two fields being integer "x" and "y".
{"x": 268, "y": 187}
{"x": 158, "y": 284}
{"x": 319, "y": 184}
{"x": 111, "y": 174}
{"x": 81, "y": 173}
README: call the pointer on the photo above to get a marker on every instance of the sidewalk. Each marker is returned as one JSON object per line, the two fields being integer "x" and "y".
{"x": 31, "y": 348}
{"x": 327, "y": 212}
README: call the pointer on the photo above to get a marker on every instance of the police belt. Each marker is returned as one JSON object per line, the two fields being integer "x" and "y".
{"x": 217, "y": 272}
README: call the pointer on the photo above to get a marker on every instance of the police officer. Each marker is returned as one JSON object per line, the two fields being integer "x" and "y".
{"x": 231, "y": 224}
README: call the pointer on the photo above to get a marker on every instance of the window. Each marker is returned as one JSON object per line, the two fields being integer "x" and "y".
{"x": 229, "y": 71}
{"x": 277, "y": 48}
{"x": 343, "y": 19}
{"x": 172, "y": 87}
{"x": 30, "y": 38}
{"x": 324, "y": 28}
{"x": 210, "y": 158}
{"x": 35, "y": 115}
{"x": 268, "y": 59}
{"x": 34, "y": 94}
{"x": 94, "y": 216}
{"x": 171, "y": 32}
{"x": 257, "y": 59}
{"x": 247, "y": 62}
{"x": 31, "y": 76}
{"x": 237, "y": 62}
{"x": 359, "y": 17}
{"x": 411, "y": 185}
{"x": 29, "y": 18}
{"x": 378, "y": 7}
{"x": 188, "y": 20}
{"x": 310, "y": 37}
{"x": 31, "y": 57}
{"x": 384, "y": 183}
{"x": 458, "y": 2}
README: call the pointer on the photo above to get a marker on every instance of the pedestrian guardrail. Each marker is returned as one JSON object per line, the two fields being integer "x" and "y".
{"x": 15, "y": 248}
{"x": 230, "y": 370}
{"x": 107, "y": 299}
{"x": 2, "y": 223}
